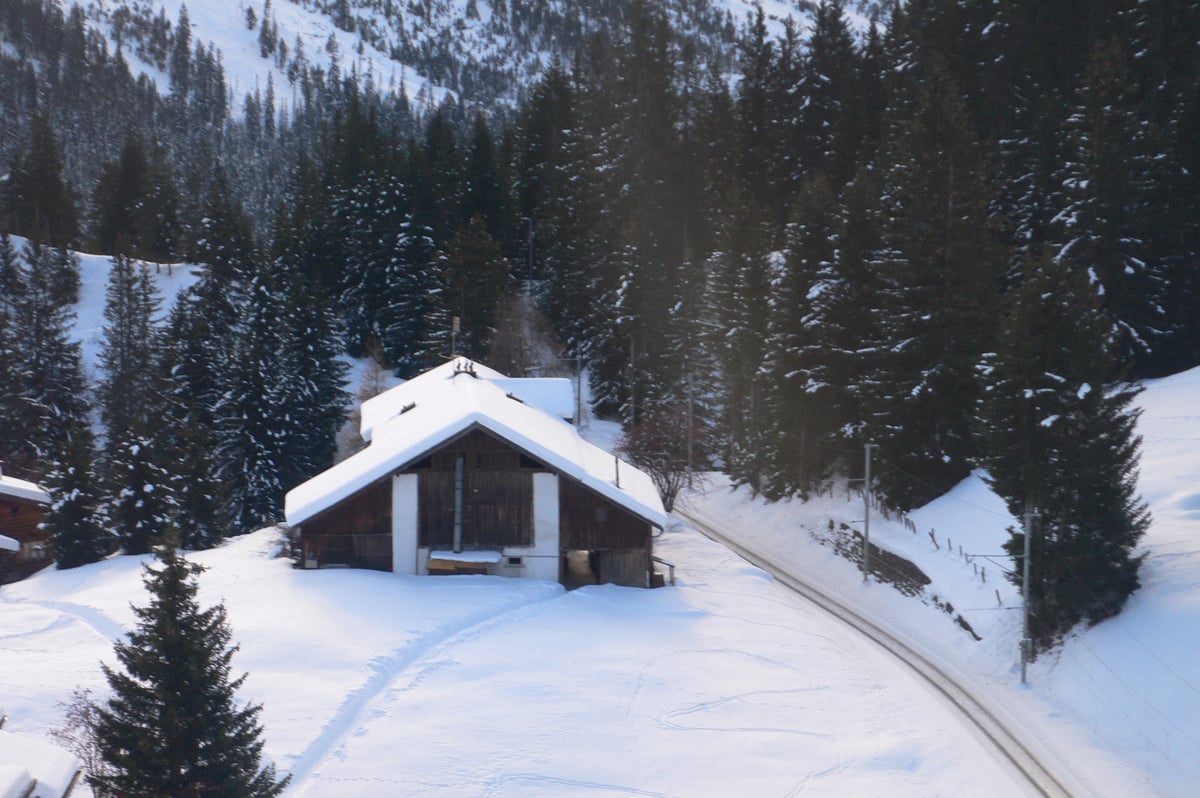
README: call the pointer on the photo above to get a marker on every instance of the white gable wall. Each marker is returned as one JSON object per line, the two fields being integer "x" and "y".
{"x": 539, "y": 561}
{"x": 405, "y": 523}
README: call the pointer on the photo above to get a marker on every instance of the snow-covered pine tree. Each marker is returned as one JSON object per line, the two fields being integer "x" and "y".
{"x": 367, "y": 219}
{"x": 1058, "y": 436}
{"x": 130, "y": 398}
{"x": 127, "y": 394}
{"x": 252, "y": 428}
{"x": 77, "y": 526}
{"x": 173, "y": 725}
{"x": 53, "y": 396}
{"x": 737, "y": 313}
{"x": 309, "y": 392}
{"x": 831, "y": 113}
{"x": 13, "y": 374}
{"x": 1109, "y": 182}
{"x": 414, "y": 323}
{"x": 36, "y": 199}
{"x": 796, "y": 403}
{"x": 941, "y": 266}
{"x": 190, "y": 359}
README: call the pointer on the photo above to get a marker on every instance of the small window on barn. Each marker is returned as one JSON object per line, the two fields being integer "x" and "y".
{"x": 516, "y": 561}
{"x": 601, "y": 514}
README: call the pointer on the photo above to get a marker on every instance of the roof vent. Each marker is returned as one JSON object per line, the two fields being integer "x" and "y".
{"x": 464, "y": 366}
{"x": 514, "y": 397}
{"x": 406, "y": 408}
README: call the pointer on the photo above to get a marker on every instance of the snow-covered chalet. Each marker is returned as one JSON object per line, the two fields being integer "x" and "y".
{"x": 469, "y": 471}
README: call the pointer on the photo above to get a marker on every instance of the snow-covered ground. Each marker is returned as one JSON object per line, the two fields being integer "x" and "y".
{"x": 377, "y": 684}
{"x": 1118, "y": 704}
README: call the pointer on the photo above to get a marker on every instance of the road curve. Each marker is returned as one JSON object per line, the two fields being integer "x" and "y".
{"x": 1008, "y": 745}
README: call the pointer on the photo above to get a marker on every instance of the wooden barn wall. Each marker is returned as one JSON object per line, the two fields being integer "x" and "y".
{"x": 589, "y": 521}
{"x": 628, "y": 567}
{"x": 19, "y": 520}
{"x": 356, "y": 531}
{"x": 497, "y": 493}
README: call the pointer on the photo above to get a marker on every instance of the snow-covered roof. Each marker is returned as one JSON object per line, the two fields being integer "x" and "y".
{"x": 441, "y": 404}
{"x": 553, "y": 395}
{"x": 9, "y": 544}
{"x": 25, "y": 758}
{"x": 20, "y": 489}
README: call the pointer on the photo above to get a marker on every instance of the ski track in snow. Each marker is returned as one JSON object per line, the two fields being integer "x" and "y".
{"x": 416, "y": 660}
{"x": 91, "y": 617}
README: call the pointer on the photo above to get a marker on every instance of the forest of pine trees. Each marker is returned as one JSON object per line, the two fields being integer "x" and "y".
{"x": 812, "y": 241}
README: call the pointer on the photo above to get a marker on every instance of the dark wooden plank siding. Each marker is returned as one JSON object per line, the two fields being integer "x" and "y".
{"x": 628, "y": 567}
{"x": 19, "y": 520}
{"x": 589, "y": 521}
{"x": 356, "y": 531}
{"x": 497, "y": 493}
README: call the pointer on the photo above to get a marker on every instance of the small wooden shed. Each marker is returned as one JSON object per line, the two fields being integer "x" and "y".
{"x": 464, "y": 475}
{"x": 24, "y": 547}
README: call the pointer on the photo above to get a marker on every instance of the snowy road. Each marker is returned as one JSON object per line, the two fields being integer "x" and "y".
{"x": 976, "y": 710}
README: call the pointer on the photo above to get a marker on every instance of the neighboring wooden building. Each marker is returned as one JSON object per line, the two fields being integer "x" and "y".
{"x": 462, "y": 475}
{"x": 24, "y": 548}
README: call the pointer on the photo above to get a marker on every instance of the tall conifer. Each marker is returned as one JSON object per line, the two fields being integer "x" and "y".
{"x": 173, "y": 725}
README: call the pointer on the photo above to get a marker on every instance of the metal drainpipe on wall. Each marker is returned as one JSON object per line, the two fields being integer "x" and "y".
{"x": 459, "y": 465}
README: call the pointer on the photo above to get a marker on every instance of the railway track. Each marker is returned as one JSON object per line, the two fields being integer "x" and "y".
{"x": 1013, "y": 751}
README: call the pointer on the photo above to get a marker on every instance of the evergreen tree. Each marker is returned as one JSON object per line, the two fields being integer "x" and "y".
{"x": 75, "y": 522}
{"x": 13, "y": 366}
{"x": 1058, "y": 436}
{"x": 53, "y": 397}
{"x": 131, "y": 402}
{"x": 128, "y": 394}
{"x": 36, "y": 200}
{"x": 1109, "y": 180}
{"x": 188, "y": 367}
{"x": 477, "y": 278}
{"x": 797, "y": 411}
{"x": 310, "y": 393}
{"x": 173, "y": 726}
{"x": 832, "y": 131}
{"x": 738, "y": 285}
{"x": 415, "y": 319}
{"x": 251, "y": 429}
{"x": 940, "y": 263}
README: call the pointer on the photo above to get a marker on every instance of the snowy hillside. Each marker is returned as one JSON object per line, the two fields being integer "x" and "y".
{"x": 170, "y": 278}
{"x": 481, "y": 50}
{"x": 1119, "y": 703}
{"x": 377, "y": 684}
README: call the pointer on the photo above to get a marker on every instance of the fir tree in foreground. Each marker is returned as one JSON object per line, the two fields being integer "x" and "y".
{"x": 1059, "y": 436}
{"x": 172, "y": 726}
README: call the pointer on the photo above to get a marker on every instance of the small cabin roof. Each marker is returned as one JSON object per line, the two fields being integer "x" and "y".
{"x": 21, "y": 489}
{"x": 446, "y": 402}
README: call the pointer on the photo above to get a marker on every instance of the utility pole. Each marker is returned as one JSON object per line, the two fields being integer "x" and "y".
{"x": 1026, "y": 640}
{"x": 866, "y": 556}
